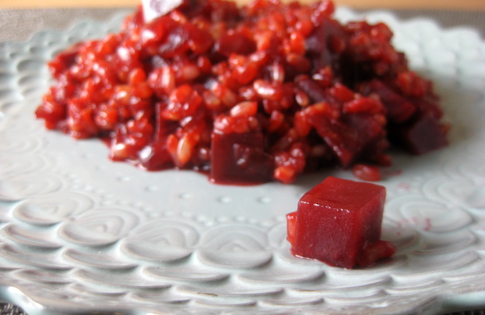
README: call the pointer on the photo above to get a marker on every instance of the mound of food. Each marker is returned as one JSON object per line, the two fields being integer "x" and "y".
{"x": 253, "y": 94}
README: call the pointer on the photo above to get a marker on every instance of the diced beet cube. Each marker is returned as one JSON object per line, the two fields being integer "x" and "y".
{"x": 423, "y": 134}
{"x": 339, "y": 222}
{"x": 350, "y": 136}
{"x": 428, "y": 105}
{"x": 326, "y": 44}
{"x": 398, "y": 108}
{"x": 235, "y": 43}
{"x": 156, "y": 157}
{"x": 344, "y": 141}
{"x": 314, "y": 91}
{"x": 239, "y": 158}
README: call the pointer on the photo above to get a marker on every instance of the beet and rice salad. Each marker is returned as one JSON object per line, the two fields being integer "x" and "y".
{"x": 247, "y": 94}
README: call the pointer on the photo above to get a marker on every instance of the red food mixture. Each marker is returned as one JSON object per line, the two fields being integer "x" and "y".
{"x": 252, "y": 94}
{"x": 339, "y": 222}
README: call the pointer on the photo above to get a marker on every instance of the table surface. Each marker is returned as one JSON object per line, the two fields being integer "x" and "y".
{"x": 386, "y": 4}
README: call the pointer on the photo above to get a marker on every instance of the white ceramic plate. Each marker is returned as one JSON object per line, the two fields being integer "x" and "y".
{"x": 79, "y": 233}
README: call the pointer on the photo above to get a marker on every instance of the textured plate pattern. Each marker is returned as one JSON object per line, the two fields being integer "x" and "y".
{"x": 78, "y": 232}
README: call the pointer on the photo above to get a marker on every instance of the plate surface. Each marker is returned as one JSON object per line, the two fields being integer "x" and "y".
{"x": 81, "y": 233}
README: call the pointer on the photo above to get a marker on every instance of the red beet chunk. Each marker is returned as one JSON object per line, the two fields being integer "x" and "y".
{"x": 313, "y": 90}
{"x": 235, "y": 44}
{"x": 423, "y": 134}
{"x": 345, "y": 142}
{"x": 398, "y": 108}
{"x": 339, "y": 222}
{"x": 349, "y": 137}
{"x": 156, "y": 157}
{"x": 327, "y": 43}
{"x": 238, "y": 158}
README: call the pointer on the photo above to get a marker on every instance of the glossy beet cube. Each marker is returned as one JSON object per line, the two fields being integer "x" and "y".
{"x": 339, "y": 222}
{"x": 239, "y": 158}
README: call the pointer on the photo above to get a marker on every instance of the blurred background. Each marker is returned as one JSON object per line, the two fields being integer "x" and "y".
{"x": 19, "y": 19}
{"x": 416, "y": 4}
